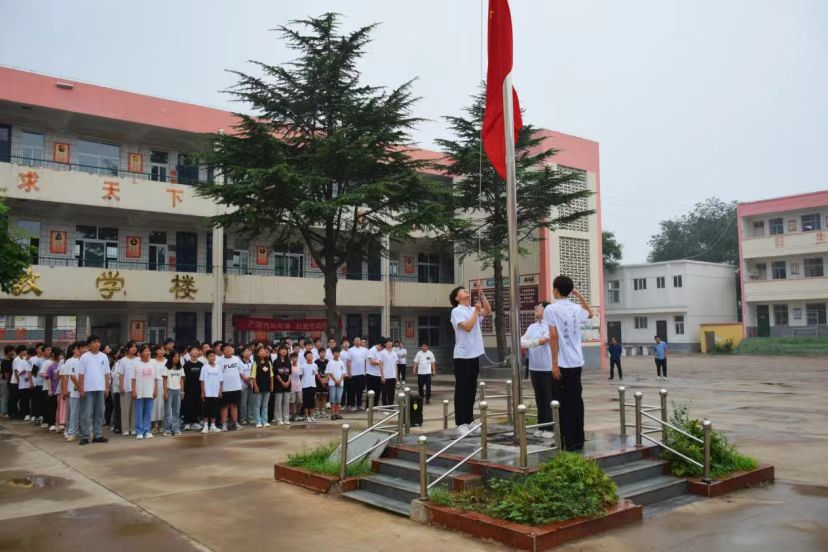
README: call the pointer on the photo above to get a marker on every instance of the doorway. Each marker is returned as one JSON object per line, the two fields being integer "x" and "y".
{"x": 614, "y": 330}
{"x": 353, "y": 326}
{"x": 763, "y": 319}
{"x": 185, "y": 329}
{"x": 186, "y": 250}
{"x": 661, "y": 329}
{"x": 709, "y": 341}
{"x": 374, "y": 328}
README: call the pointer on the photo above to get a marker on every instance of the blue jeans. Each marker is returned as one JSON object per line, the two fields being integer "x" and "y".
{"x": 172, "y": 411}
{"x": 244, "y": 413}
{"x": 143, "y": 415}
{"x": 260, "y": 401}
{"x": 92, "y": 414}
{"x": 74, "y": 416}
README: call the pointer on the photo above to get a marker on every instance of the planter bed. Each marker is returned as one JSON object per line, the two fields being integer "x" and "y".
{"x": 525, "y": 537}
{"x": 313, "y": 481}
{"x": 733, "y": 482}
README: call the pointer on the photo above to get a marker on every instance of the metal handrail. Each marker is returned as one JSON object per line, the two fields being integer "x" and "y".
{"x": 352, "y": 460}
{"x": 544, "y": 424}
{"x": 674, "y": 451}
{"x": 671, "y": 426}
{"x": 453, "y": 468}
{"x": 375, "y": 426}
{"x": 445, "y": 448}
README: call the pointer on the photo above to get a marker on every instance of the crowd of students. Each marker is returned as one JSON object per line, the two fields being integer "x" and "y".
{"x": 142, "y": 390}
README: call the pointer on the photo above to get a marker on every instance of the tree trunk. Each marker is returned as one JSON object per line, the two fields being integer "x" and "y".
{"x": 499, "y": 311}
{"x": 331, "y": 314}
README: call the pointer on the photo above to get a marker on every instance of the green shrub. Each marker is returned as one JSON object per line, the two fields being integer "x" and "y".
{"x": 567, "y": 487}
{"x": 318, "y": 460}
{"x": 723, "y": 347}
{"x": 724, "y": 458}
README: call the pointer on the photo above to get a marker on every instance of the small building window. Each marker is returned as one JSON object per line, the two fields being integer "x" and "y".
{"x": 780, "y": 315}
{"x": 813, "y": 267}
{"x": 677, "y": 281}
{"x": 660, "y": 282}
{"x": 778, "y": 270}
{"x": 639, "y": 284}
{"x": 776, "y": 226}
{"x": 759, "y": 228}
{"x": 614, "y": 291}
{"x": 640, "y": 322}
{"x": 428, "y": 330}
{"x": 679, "y": 325}
{"x": 815, "y": 313}
{"x": 811, "y": 222}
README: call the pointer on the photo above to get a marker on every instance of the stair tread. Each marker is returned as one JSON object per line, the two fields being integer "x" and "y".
{"x": 647, "y": 485}
{"x": 396, "y": 482}
{"x": 379, "y": 501}
{"x": 633, "y": 466}
{"x": 415, "y": 466}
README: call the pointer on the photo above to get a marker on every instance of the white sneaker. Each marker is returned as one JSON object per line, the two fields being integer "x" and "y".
{"x": 44, "y": 426}
{"x": 547, "y": 435}
{"x": 266, "y": 424}
{"x": 312, "y": 420}
{"x": 126, "y": 433}
{"x": 280, "y": 422}
{"x": 462, "y": 429}
{"x": 239, "y": 427}
{"x": 139, "y": 436}
{"x": 197, "y": 426}
{"x": 52, "y": 428}
{"x": 205, "y": 429}
{"x": 148, "y": 435}
{"x": 538, "y": 434}
{"x": 27, "y": 419}
{"x": 259, "y": 425}
{"x": 214, "y": 429}
{"x": 286, "y": 422}
{"x": 664, "y": 378}
{"x": 186, "y": 427}
{"x": 327, "y": 405}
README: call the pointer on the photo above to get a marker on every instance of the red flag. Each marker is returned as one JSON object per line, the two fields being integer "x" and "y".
{"x": 500, "y": 65}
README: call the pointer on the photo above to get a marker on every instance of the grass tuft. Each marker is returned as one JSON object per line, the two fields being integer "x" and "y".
{"x": 318, "y": 460}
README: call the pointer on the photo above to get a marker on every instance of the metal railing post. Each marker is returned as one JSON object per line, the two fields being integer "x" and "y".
{"x": 421, "y": 441}
{"x": 638, "y": 396}
{"x": 556, "y": 418}
{"x": 484, "y": 430}
{"x": 523, "y": 462}
{"x": 509, "y": 401}
{"x": 407, "y": 412}
{"x": 445, "y": 413}
{"x": 482, "y": 386}
{"x": 400, "y": 417}
{"x": 622, "y": 410}
{"x": 708, "y": 431}
{"x": 343, "y": 452}
{"x": 371, "y": 395}
{"x": 663, "y": 394}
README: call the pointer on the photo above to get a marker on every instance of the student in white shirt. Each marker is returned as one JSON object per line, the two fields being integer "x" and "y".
{"x": 357, "y": 356}
{"x": 174, "y": 382}
{"x": 160, "y": 362}
{"x": 335, "y": 372}
{"x": 246, "y": 414}
{"x": 231, "y": 366}
{"x": 309, "y": 377}
{"x": 212, "y": 378}
{"x": 388, "y": 375}
{"x": 71, "y": 381}
{"x": 400, "y": 351}
{"x": 145, "y": 377}
{"x": 425, "y": 366}
{"x": 373, "y": 369}
{"x": 536, "y": 343}
{"x": 564, "y": 319}
{"x": 22, "y": 371}
{"x": 94, "y": 387}
{"x": 343, "y": 356}
{"x": 125, "y": 370}
{"x": 468, "y": 348}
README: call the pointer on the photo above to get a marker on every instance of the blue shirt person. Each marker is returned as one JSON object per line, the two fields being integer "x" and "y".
{"x": 660, "y": 358}
{"x": 614, "y": 350}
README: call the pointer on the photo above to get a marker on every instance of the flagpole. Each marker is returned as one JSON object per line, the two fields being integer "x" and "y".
{"x": 511, "y": 221}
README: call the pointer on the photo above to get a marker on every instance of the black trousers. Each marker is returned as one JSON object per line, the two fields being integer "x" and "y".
{"x": 542, "y": 384}
{"x": 13, "y": 409}
{"x": 116, "y": 411}
{"x": 108, "y": 408}
{"x": 211, "y": 408}
{"x": 388, "y": 389}
{"x": 401, "y": 372}
{"x": 346, "y": 391}
{"x": 375, "y": 385}
{"x": 49, "y": 408}
{"x": 35, "y": 398}
{"x": 568, "y": 391}
{"x": 613, "y": 364}
{"x": 192, "y": 407}
{"x": 661, "y": 366}
{"x": 466, "y": 371}
{"x": 24, "y": 397}
{"x": 356, "y": 390}
{"x": 271, "y": 402}
{"x": 424, "y": 383}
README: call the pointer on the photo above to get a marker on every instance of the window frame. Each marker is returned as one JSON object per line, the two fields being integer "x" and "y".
{"x": 661, "y": 282}
{"x": 431, "y": 325}
{"x": 776, "y": 270}
{"x": 815, "y": 223}
{"x": 777, "y": 311}
{"x": 772, "y": 226}
{"x": 816, "y": 314}
{"x": 678, "y": 281}
{"x": 806, "y": 268}
{"x": 678, "y": 321}
{"x": 614, "y": 293}
{"x": 640, "y": 322}
{"x": 639, "y": 284}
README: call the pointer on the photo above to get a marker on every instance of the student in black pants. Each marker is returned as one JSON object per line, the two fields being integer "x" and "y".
{"x": 388, "y": 376}
{"x": 425, "y": 366}
{"x": 373, "y": 365}
{"x": 539, "y": 362}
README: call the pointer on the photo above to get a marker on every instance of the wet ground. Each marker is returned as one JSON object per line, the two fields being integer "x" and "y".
{"x": 217, "y": 492}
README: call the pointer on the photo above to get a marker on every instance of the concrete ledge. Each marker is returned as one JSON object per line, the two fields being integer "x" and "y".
{"x": 313, "y": 481}
{"x": 733, "y": 482}
{"x": 525, "y": 537}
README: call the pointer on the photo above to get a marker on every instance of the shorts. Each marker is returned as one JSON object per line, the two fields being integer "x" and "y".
{"x": 295, "y": 397}
{"x": 335, "y": 393}
{"x": 321, "y": 388}
{"x": 231, "y": 397}
{"x": 309, "y": 397}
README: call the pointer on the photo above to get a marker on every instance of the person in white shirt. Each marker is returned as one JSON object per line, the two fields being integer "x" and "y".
{"x": 231, "y": 366}
{"x": 145, "y": 377}
{"x": 22, "y": 372}
{"x": 212, "y": 379}
{"x": 335, "y": 372}
{"x": 174, "y": 382}
{"x": 70, "y": 383}
{"x": 373, "y": 369}
{"x": 160, "y": 362}
{"x": 564, "y": 319}
{"x": 468, "y": 348}
{"x": 388, "y": 376}
{"x": 246, "y": 414}
{"x": 357, "y": 356}
{"x": 425, "y": 366}
{"x": 94, "y": 387}
{"x": 309, "y": 381}
{"x": 125, "y": 370}
{"x": 400, "y": 351}
{"x": 536, "y": 343}
{"x": 343, "y": 356}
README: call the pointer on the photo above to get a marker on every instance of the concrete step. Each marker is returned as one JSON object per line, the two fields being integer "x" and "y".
{"x": 410, "y": 471}
{"x": 390, "y": 487}
{"x": 414, "y": 457}
{"x": 380, "y": 501}
{"x": 649, "y": 491}
{"x": 639, "y": 470}
{"x": 625, "y": 457}
{"x": 663, "y": 506}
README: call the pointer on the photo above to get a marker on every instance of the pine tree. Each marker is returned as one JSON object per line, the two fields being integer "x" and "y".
{"x": 322, "y": 158}
{"x": 480, "y": 195}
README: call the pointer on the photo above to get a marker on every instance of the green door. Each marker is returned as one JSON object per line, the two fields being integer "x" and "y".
{"x": 763, "y": 316}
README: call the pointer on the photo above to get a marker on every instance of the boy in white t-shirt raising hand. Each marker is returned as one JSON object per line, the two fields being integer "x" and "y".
{"x": 564, "y": 319}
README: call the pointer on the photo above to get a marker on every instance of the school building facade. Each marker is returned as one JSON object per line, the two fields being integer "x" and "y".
{"x": 101, "y": 183}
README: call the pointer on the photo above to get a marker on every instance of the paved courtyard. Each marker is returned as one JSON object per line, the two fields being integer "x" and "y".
{"x": 217, "y": 492}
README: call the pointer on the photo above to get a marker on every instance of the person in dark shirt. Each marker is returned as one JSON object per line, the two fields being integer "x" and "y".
{"x": 614, "y": 350}
{"x": 192, "y": 408}
{"x": 322, "y": 381}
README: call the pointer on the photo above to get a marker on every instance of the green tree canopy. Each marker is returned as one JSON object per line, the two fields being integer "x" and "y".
{"x": 544, "y": 196}
{"x": 612, "y": 251}
{"x": 14, "y": 257}
{"x": 707, "y": 233}
{"x": 323, "y": 159}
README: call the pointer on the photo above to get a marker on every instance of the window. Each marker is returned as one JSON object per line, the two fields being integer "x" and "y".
{"x": 759, "y": 272}
{"x": 815, "y": 313}
{"x": 778, "y": 270}
{"x": 157, "y": 251}
{"x": 238, "y": 262}
{"x": 776, "y": 226}
{"x": 96, "y": 246}
{"x": 156, "y": 328}
{"x": 428, "y": 268}
{"x": 290, "y": 262}
{"x": 679, "y": 320}
{"x": 639, "y": 284}
{"x": 677, "y": 281}
{"x": 396, "y": 328}
{"x": 640, "y": 322}
{"x": 614, "y": 291}
{"x": 159, "y": 162}
{"x": 759, "y": 228}
{"x": 811, "y": 222}
{"x": 780, "y": 315}
{"x": 99, "y": 157}
{"x": 429, "y": 330}
{"x": 813, "y": 267}
{"x": 31, "y": 149}
{"x": 660, "y": 282}
{"x": 187, "y": 169}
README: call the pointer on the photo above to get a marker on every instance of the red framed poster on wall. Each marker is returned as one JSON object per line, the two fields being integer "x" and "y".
{"x": 61, "y": 153}
{"x": 57, "y": 242}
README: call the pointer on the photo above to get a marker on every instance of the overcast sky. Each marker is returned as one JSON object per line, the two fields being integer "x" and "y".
{"x": 688, "y": 100}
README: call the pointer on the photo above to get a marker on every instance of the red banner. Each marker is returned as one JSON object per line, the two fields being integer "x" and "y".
{"x": 273, "y": 325}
